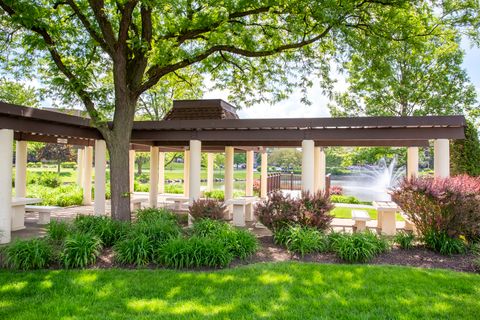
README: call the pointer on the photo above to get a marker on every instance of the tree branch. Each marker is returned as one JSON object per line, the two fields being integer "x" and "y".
{"x": 98, "y": 7}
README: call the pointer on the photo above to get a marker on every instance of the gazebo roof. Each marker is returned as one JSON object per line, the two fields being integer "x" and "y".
{"x": 174, "y": 134}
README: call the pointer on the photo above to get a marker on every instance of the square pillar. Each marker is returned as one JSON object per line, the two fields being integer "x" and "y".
{"x": 320, "y": 169}
{"x": 308, "y": 168}
{"x": 441, "y": 162}
{"x": 210, "y": 167}
{"x": 229, "y": 153}
{"x": 6, "y": 145}
{"x": 161, "y": 172}
{"x": 21, "y": 169}
{"x": 87, "y": 176}
{"x": 194, "y": 170}
{"x": 186, "y": 173}
{"x": 412, "y": 162}
{"x": 264, "y": 175}
{"x": 100, "y": 178}
{"x": 249, "y": 174}
{"x": 131, "y": 170}
{"x": 80, "y": 166}
{"x": 153, "y": 190}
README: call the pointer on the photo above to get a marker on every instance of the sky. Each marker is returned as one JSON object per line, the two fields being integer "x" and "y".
{"x": 293, "y": 108}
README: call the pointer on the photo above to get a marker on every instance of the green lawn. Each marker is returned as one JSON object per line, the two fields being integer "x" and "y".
{"x": 346, "y": 213}
{"x": 262, "y": 291}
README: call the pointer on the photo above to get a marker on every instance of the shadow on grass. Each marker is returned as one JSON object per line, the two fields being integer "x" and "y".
{"x": 277, "y": 291}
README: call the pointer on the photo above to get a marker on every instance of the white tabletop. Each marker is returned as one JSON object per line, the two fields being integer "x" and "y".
{"x": 242, "y": 200}
{"x": 19, "y": 201}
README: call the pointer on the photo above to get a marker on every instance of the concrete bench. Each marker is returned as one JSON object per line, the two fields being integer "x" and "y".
{"x": 360, "y": 217}
{"x": 43, "y": 212}
{"x": 136, "y": 203}
{"x": 178, "y": 202}
{"x": 242, "y": 210}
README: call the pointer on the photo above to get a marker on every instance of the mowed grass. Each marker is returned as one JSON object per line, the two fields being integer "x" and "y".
{"x": 262, "y": 291}
{"x": 346, "y": 213}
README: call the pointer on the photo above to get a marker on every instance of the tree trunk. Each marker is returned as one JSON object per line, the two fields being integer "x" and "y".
{"x": 59, "y": 166}
{"x": 139, "y": 166}
{"x": 119, "y": 178}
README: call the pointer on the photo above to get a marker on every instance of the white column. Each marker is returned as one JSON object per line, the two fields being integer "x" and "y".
{"x": 87, "y": 176}
{"x": 441, "y": 162}
{"x": 264, "y": 175}
{"x": 195, "y": 168}
{"x": 186, "y": 173}
{"x": 100, "y": 179}
{"x": 80, "y": 166}
{"x": 320, "y": 169}
{"x": 6, "y": 147}
{"x": 308, "y": 170}
{"x": 21, "y": 169}
{"x": 412, "y": 162}
{"x": 210, "y": 159}
{"x": 229, "y": 153}
{"x": 161, "y": 172}
{"x": 249, "y": 174}
{"x": 131, "y": 169}
{"x": 153, "y": 195}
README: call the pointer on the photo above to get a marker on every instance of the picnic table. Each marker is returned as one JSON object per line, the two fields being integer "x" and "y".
{"x": 386, "y": 216}
{"x": 242, "y": 209}
{"x": 178, "y": 202}
{"x": 18, "y": 211}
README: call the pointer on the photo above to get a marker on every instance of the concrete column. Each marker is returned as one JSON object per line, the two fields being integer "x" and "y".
{"x": 186, "y": 173}
{"x": 308, "y": 170}
{"x": 249, "y": 174}
{"x": 100, "y": 178}
{"x": 6, "y": 147}
{"x": 195, "y": 169}
{"x": 264, "y": 175}
{"x": 210, "y": 158}
{"x": 80, "y": 166}
{"x": 131, "y": 169}
{"x": 229, "y": 153}
{"x": 161, "y": 172}
{"x": 154, "y": 159}
{"x": 21, "y": 169}
{"x": 441, "y": 162}
{"x": 87, "y": 176}
{"x": 320, "y": 169}
{"x": 412, "y": 162}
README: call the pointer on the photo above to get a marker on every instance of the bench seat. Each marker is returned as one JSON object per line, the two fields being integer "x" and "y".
{"x": 360, "y": 217}
{"x": 43, "y": 212}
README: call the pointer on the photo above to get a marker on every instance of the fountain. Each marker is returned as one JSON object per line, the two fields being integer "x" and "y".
{"x": 372, "y": 182}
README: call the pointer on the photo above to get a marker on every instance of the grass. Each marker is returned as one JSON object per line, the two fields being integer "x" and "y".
{"x": 346, "y": 213}
{"x": 263, "y": 291}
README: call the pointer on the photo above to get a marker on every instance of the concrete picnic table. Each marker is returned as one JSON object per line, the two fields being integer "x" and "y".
{"x": 18, "y": 211}
{"x": 178, "y": 201}
{"x": 386, "y": 216}
{"x": 242, "y": 209}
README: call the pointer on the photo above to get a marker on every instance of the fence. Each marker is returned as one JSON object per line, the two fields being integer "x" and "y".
{"x": 289, "y": 181}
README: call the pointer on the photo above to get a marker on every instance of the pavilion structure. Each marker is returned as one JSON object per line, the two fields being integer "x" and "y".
{"x": 196, "y": 126}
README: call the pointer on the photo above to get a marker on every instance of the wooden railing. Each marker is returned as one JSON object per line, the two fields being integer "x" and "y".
{"x": 274, "y": 182}
{"x": 289, "y": 181}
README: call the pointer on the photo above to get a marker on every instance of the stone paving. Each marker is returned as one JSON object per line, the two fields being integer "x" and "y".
{"x": 69, "y": 213}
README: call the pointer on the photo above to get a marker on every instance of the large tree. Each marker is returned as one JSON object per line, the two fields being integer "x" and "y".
{"x": 18, "y": 93}
{"x": 107, "y": 53}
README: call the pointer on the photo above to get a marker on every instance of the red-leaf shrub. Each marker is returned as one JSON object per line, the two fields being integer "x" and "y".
{"x": 310, "y": 210}
{"x": 336, "y": 190}
{"x": 449, "y": 205}
{"x": 207, "y": 208}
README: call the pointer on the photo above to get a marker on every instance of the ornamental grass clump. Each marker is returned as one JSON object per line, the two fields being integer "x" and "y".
{"x": 155, "y": 214}
{"x": 57, "y": 231}
{"x": 80, "y": 250}
{"x": 137, "y": 250}
{"x": 404, "y": 239}
{"x": 358, "y": 247}
{"x": 442, "y": 208}
{"x": 280, "y": 210}
{"x": 28, "y": 254}
{"x": 301, "y": 239}
{"x": 107, "y": 230}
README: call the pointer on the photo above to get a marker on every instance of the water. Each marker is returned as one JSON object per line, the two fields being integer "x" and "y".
{"x": 371, "y": 183}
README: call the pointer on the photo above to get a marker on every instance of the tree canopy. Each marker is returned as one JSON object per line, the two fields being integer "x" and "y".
{"x": 18, "y": 93}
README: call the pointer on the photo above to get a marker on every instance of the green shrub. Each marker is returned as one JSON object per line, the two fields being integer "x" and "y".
{"x": 69, "y": 165}
{"x": 215, "y": 194}
{"x": 107, "y": 230}
{"x": 141, "y": 187}
{"x": 241, "y": 243}
{"x": 344, "y": 199}
{"x": 34, "y": 165}
{"x": 137, "y": 250}
{"x": 158, "y": 231}
{"x": 207, "y": 208}
{"x": 404, "y": 239}
{"x": 154, "y": 214}
{"x": 358, "y": 247}
{"x": 475, "y": 248}
{"x": 64, "y": 196}
{"x": 28, "y": 254}
{"x": 49, "y": 179}
{"x": 194, "y": 252}
{"x": 302, "y": 240}
{"x": 174, "y": 188}
{"x": 476, "y": 264}
{"x": 58, "y": 230}
{"x": 80, "y": 250}
{"x": 442, "y": 243}
{"x": 465, "y": 153}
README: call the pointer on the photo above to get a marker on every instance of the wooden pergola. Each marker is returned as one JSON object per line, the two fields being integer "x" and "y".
{"x": 195, "y": 126}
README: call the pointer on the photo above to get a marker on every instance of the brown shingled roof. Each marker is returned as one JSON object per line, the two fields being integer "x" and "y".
{"x": 214, "y": 109}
